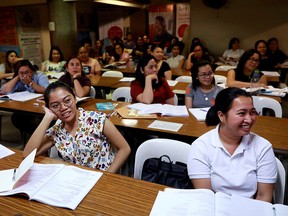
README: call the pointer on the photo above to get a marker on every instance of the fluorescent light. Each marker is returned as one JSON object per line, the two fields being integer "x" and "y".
{"x": 120, "y": 3}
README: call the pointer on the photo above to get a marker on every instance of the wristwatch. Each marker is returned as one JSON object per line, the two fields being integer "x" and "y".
{"x": 75, "y": 78}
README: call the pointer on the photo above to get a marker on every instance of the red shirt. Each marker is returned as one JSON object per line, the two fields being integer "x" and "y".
{"x": 161, "y": 94}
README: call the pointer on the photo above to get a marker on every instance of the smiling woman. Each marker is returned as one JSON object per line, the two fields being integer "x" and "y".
{"x": 87, "y": 138}
{"x": 230, "y": 158}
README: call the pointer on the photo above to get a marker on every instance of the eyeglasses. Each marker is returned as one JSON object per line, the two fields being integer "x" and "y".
{"x": 67, "y": 102}
{"x": 22, "y": 73}
{"x": 204, "y": 75}
{"x": 253, "y": 60}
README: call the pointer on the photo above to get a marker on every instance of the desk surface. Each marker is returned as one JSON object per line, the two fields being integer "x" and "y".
{"x": 271, "y": 128}
{"x": 113, "y": 194}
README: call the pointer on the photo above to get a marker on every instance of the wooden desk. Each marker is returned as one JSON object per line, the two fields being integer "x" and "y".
{"x": 127, "y": 71}
{"x": 180, "y": 72}
{"x": 271, "y": 128}
{"x": 112, "y": 195}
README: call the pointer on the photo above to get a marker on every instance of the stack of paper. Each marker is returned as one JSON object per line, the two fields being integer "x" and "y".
{"x": 199, "y": 113}
{"x": 163, "y": 109}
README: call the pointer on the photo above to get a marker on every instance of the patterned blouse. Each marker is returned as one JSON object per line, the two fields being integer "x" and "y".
{"x": 89, "y": 147}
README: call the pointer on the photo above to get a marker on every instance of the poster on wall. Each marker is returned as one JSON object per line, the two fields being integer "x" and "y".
{"x": 110, "y": 26}
{"x": 182, "y": 19}
{"x": 29, "y": 35}
{"x": 161, "y": 23}
{"x": 8, "y": 31}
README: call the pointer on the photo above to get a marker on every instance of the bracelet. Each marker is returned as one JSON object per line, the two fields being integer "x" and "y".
{"x": 74, "y": 78}
{"x": 30, "y": 84}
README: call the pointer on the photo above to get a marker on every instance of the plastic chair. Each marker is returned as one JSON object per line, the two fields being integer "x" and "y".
{"x": 175, "y": 99}
{"x": 187, "y": 79}
{"x": 279, "y": 189}
{"x": 122, "y": 92}
{"x": 113, "y": 74}
{"x": 92, "y": 92}
{"x": 176, "y": 150}
{"x": 266, "y": 102}
{"x": 219, "y": 79}
{"x": 53, "y": 153}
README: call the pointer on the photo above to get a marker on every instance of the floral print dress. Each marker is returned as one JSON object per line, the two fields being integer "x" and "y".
{"x": 89, "y": 147}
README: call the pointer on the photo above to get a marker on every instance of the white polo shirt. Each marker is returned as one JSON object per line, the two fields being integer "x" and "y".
{"x": 253, "y": 161}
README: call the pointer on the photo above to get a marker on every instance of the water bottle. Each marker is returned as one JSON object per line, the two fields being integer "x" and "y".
{"x": 255, "y": 82}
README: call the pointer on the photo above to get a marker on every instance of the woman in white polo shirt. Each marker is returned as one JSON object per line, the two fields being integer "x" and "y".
{"x": 230, "y": 158}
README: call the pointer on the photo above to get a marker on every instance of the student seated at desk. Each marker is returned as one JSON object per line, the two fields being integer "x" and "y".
{"x": 203, "y": 90}
{"x": 56, "y": 61}
{"x": 8, "y": 68}
{"x": 149, "y": 87}
{"x": 176, "y": 60}
{"x": 197, "y": 54}
{"x": 87, "y": 138}
{"x": 89, "y": 65}
{"x": 265, "y": 61}
{"x": 75, "y": 78}
{"x": 119, "y": 54}
{"x": 241, "y": 76}
{"x": 233, "y": 53}
{"x": 26, "y": 79}
{"x": 230, "y": 158}
{"x": 163, "y": 67}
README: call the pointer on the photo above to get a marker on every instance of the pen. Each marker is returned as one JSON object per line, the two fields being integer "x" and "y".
{"x": 204, "y": 110}
{"x": 14, "y": 174}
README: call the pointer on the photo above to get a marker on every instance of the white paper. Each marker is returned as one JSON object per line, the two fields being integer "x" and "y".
{"x": 23, "y": 96}
{"x": 199, "y": 113}
{"x": 55, "y": 75}
{"x": 164, "y": 109}
{"x": 172, "y": 82}
{"x": 127, "y": 79}
{"x": 184, "y": 202}
{"x": 4, "y": 151}
{"x": 7, "y": 176}
{"x": 68, "y": 187}
{"x": 164, "y": 125}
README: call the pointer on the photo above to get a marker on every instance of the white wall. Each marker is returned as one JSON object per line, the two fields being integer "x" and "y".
{"x": 248, "y": 20}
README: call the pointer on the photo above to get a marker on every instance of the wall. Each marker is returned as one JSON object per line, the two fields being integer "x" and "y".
{"x": 249, "y": 20}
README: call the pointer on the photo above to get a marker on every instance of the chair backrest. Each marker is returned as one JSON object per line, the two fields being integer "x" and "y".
{"x": 176, "y": 150}
{"x": 53, "y": 153}
{"x": 175, "y": 99}
{"x": 261, "y": 102}
{"x": 279, "y": 190}
{"x": 92, "y": 92}
{"x": 112, "y": 74}
{"x": 187, "y": 79}
{"x": 122, "y": 92}
{"x": 219, "y": 79}
{"x": 224, "y": 68}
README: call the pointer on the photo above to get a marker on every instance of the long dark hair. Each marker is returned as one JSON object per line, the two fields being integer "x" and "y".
{"x": 141, "y": 67}
{"x": 239, "y": 75}
{"x": 116, "y": 55}
{"x": 9, "y": 68}
{"x": 223, "y": 103}
{"x": 52, "y": 87}
{"x": 232, "y": 41}
{"x": 194, "y": 73}
{"x": 60, "y": 52}
{"x": 261, "y": 41}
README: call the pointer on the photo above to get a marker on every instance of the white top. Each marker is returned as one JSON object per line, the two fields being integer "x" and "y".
{"x": 252, "y": 162}
{"x": 233, "y": 54}
{"x": 174, "y": 61}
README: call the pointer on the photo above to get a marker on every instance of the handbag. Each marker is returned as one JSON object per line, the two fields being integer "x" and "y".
{"x": 167, "y": 173}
